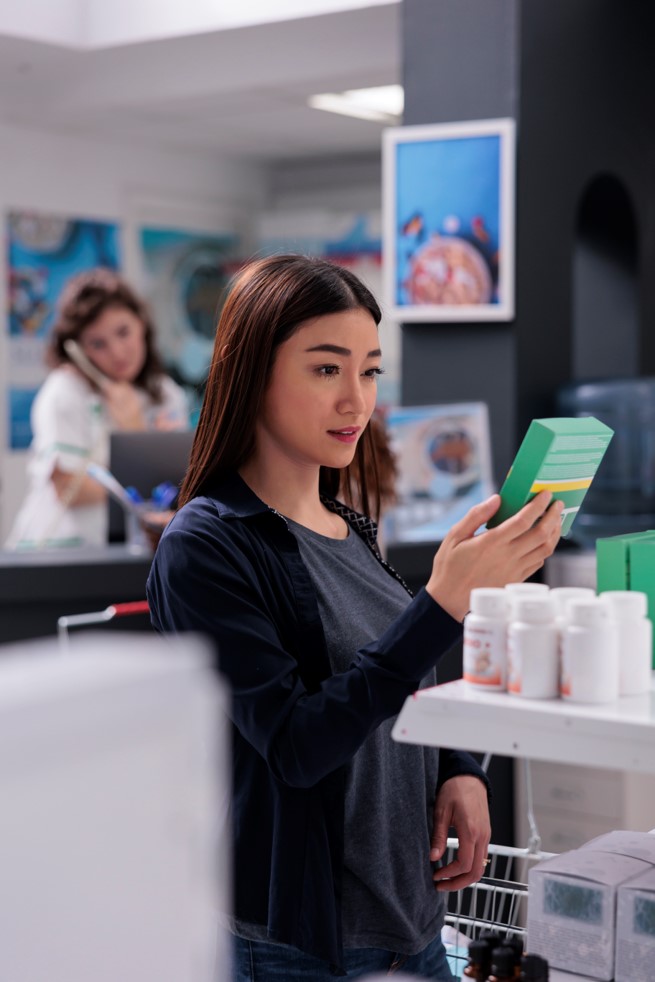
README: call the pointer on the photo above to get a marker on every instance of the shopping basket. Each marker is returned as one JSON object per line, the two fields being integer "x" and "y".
{"x": 96, "y": 618}
{"x": 498, "y": 902}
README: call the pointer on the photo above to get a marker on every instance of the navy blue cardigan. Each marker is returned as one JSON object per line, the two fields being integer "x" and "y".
{"x": 228, "y": 566}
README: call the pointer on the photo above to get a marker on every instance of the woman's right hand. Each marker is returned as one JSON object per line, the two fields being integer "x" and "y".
{"x": 509, "y": 553}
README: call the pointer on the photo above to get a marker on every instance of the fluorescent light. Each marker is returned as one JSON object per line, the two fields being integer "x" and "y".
{"x": 381, "y": 103}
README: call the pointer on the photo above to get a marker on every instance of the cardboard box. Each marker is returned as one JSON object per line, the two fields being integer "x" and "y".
{"x": 572, "y": 909}
{"x": 635, "y": 929}
{"x": 634, "y": 845}
{"x": 627, "y": 562}
{"x": 561, "y": 455}
{"x": 614, "y": 560}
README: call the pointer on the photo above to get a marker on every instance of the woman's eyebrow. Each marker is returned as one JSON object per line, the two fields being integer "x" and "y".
{"x": 336, "y": 349}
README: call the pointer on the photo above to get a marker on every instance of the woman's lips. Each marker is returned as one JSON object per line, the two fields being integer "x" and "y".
{"x": 348, "y": 434}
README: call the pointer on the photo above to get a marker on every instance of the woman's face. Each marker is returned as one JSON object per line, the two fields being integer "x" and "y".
{"x": 116, "y": 344}
{"x": 321, "y": 392}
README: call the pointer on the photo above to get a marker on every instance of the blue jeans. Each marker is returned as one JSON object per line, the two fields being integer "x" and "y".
{"x": 259, "y": 961}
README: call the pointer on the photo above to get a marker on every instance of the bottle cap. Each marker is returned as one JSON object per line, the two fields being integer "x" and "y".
{"x": 587, "y": 613}
{"x": 503, "y": 961}
{"x": 489, "y": 601}
{"x": 625, "y": 604}
{"x": 534, "y": 968}
{"x": 533, "y": 609}
{"x": 480, "y": 955}
{"x": 516, "y": 944}
{"x": 562, "y": 595}
{"x": 532, "y": 588}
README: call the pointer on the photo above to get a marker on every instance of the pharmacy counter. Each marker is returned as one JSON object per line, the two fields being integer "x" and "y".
{"x": 612, "y": 735}
{"x": 38, "y": 587}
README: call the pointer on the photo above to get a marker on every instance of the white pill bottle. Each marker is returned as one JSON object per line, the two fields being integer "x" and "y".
{"x": 485, "y": 640}
{"x": 533, "y": 648}
{"x": 590, "y": 654}
{"x": 629, "y": 609}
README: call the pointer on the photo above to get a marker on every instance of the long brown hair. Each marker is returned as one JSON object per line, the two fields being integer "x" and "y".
{"x": 266, "y": 303}
{"x": 83, "y": 299}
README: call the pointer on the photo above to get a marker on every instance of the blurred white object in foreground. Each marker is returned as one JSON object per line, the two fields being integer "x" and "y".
{"x": 113, "y": 825}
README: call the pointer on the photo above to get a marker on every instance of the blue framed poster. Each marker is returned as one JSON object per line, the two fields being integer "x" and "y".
{"x": 43, "y": 251}
{"x": 448, "y": 217}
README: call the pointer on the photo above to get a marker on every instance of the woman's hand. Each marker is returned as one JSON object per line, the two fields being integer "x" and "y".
{"x": 461, "y": 804}
{"x": 124, "y": 405}
{"x": 509, "y": 553}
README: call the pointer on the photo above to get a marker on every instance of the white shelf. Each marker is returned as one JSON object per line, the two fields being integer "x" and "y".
{"x": 617, "y": 735}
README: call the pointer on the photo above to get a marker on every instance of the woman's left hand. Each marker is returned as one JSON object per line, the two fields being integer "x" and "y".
{"x": 461, "y": 804}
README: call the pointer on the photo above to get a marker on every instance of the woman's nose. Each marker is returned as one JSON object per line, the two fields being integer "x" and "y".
{"x": 353, "y": 398}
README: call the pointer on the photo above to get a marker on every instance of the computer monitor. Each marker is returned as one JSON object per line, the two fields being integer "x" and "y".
{"x": 143, "y": 460}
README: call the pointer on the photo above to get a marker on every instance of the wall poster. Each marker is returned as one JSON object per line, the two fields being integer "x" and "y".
{"x": 43, "y": 252}
{"x": 448, "y": 206}
{"x": 443, "y": 454}
{"x": 184, "y": 278}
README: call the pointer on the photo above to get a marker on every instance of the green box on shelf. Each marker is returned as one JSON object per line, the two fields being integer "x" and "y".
{"x": 613, "y": 560}
{"x": 561, "y": 455}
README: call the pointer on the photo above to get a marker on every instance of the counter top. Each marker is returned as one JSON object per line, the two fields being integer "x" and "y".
{"x": 37, "y": 587}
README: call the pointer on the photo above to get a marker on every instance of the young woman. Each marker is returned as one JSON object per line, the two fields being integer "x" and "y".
{"x": 76, "y": 409}
{"x": 337, "y": 828}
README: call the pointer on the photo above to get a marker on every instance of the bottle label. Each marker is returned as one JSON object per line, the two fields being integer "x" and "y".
{"x": 485, "y": 655}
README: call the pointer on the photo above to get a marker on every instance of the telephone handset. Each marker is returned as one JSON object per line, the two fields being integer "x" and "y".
{"x": 85, "y": 365}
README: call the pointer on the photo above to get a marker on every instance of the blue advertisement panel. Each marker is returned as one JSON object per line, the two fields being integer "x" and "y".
{"x": 44, "y": 251}
{"x": 449, "y": 204}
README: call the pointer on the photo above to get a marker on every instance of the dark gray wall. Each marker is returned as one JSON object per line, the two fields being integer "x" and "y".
{"x": 587, "y": 95}
{"x": 461, "y": 62}
{"x": 579, "y": 79}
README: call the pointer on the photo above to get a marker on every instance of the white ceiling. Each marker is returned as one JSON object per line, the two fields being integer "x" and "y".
{"x": 241, "y": 92}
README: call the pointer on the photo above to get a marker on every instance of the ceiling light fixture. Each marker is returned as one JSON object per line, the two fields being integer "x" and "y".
{"x": 380, "y": 104}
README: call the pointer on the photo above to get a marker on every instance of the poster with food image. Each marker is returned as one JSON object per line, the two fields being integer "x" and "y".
{"x": 43, "y": 251}
{"x": 448, "y": 212}
{"x": 443, "y": 459}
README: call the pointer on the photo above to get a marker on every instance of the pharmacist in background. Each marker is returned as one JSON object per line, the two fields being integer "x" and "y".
{"x": 106, "y": 376}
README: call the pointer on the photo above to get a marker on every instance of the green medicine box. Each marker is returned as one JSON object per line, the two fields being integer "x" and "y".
{"x": 560, "y": 455}
{"x": 614, "y": 560}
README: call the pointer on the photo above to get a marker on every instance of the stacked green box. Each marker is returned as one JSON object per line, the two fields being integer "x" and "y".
{"x": 627, "y": 562}
{"x": 560, "y": 455}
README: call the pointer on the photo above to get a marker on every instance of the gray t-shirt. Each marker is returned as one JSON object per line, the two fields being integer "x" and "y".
{"x": 389, "y": 899}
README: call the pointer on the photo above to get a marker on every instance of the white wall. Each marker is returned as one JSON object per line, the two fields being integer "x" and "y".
{"x": 112, "y": 181}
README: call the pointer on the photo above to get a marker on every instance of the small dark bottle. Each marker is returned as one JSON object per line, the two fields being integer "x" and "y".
{"x": 534, "y": 968}
{"x": 479, "y": 963}
{"x": 516, "y": 944}
{"x": 503, "y": 964}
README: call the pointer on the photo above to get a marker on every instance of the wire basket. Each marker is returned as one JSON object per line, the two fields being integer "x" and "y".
{"x": 497, "y": 902}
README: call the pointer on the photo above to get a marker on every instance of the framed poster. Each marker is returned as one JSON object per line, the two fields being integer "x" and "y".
{"x": 448, "y": 221}
{"x": 443, "y": 455}
{"x": 43, "y": 251}
{"x": 185, "y": 273}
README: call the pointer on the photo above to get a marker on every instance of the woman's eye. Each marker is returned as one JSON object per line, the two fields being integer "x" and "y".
{"x": 328, "y": 370}
{"x": 374, "y": 372}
